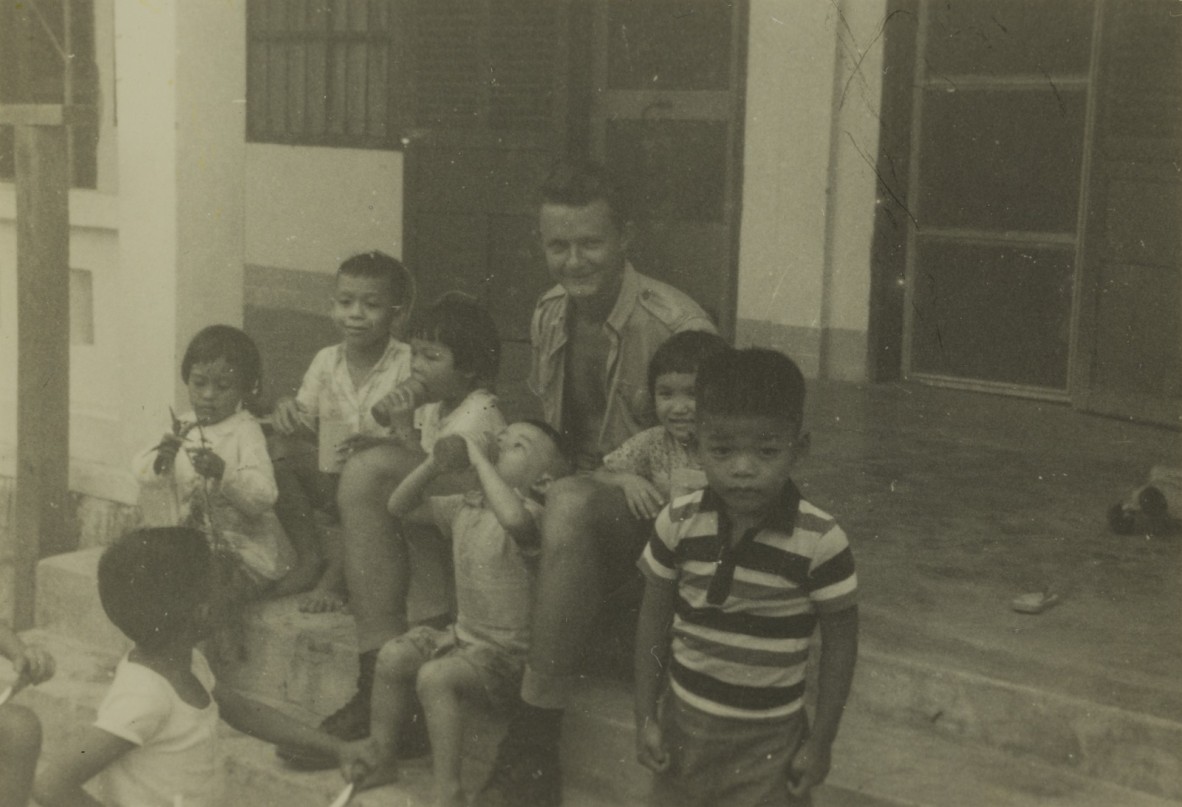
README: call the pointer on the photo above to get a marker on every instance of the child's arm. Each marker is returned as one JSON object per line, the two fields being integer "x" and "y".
{"x": 406, "y": 502}
{"x": 31, "y": 664}
{"x": 644, "y": 500}
{"x": 245, "y": 476}
{"x": 839, "y": 651}
{"x": 60, "y": 782}
{"x": 270, "y": 724}
{"x": 651, "y": 660}
{"x": 502, "y": 499}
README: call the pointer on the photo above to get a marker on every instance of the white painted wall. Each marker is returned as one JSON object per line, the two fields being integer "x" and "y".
{"x": 814, "y": 84}
{"x": 310, "y": 208}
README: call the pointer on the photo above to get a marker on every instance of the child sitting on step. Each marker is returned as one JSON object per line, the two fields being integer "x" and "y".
{"x": 495, "y": 538}
{"x": 154, "y": 742}
{"x": 212, "y": 472}
{"x": 659, "y": 464}
{"x": 337, "y": 407}
{"x": 20, "y": 730}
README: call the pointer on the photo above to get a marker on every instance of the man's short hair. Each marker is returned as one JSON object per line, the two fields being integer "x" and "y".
{"x": 752, "y": 382}
{"x": 380, "y": 266}
{"x": 152, "y": 581}
{"x": 465, "y": 326}
{"x": 578, "y": 183}
{"x": 683, "y": 352}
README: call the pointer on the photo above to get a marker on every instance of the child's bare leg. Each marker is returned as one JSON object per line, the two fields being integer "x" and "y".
{"x": 294, "y": 509}
{"x": 391, "y": 706}
{"x": 329, "y": 592}
{"x": 20, "y": 744}
{"x": 443, "y": 685}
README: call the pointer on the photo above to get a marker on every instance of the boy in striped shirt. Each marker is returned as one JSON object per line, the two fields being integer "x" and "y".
{"x": 738, "y": 575}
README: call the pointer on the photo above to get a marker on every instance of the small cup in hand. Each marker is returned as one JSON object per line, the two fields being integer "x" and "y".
{"x": 404, "y": 398}
{"x": 451, "y": 452}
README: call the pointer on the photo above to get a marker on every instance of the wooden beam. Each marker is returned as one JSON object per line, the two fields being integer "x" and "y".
{"x": 43, "y": 351}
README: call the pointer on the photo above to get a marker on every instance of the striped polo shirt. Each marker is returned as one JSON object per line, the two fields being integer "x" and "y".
{"x": 745, "y": 657}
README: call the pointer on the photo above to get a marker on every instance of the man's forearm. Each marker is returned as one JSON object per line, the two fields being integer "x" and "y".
{"x": 652, "y": 648}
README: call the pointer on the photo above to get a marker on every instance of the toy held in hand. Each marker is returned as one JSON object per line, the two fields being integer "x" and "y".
{"x": 404, "y": 398}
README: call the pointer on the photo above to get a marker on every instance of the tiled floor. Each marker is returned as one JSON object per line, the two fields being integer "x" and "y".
{"x": 955, "y": 503}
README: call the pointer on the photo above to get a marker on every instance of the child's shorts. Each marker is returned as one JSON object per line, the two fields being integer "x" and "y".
{"x": 717, "y": 760}
{"x": 499, "y": 672}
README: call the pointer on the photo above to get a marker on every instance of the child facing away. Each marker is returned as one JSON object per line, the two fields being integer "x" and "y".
{"x": 154, "y": 742}
{"x": 20, "y": 730}
{"x": 335, "y": 405}
{"x": 212, "y": 472}
{"x": 738, "y": 575}
{"x": 496, "y": 537}
{"x": 659, "y": 464}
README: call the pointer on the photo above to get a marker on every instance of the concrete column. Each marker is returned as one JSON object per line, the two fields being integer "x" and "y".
{"x": 181, "y": 79}
{"x": 804, "y": 248}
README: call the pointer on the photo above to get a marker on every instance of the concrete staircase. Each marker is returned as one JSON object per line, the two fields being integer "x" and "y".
{"x": 920, "y": 730}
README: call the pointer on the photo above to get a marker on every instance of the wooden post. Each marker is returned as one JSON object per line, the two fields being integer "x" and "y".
{"x": 43, "y": 345}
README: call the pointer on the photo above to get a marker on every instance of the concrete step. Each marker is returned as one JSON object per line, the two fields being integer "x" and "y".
{"x": 878, "y": 763}
{"x": 309, "y": 662}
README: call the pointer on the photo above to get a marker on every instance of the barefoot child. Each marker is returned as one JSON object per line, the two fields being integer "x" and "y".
{"x": 738, "y": 575}
{"x": 155, "y": 742}
{"x": 20, "y": 730}
{"x": 213, "y": 473}
{"x": 479, "y": 659}
{"x": 659, "y": 464}
{"x": 345, "y": 382}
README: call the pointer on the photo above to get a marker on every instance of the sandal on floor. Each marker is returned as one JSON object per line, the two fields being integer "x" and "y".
{"x": 1034, "y": 603}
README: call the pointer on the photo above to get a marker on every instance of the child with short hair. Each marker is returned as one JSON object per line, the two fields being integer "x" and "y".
{"x": 659, "y": 464}
{"x": 496, "y": 538}
{"x": 373, "y": 298}
{"x": 738, "y": 575}
{"x": 154, "y": 742}
{"x": 20, "y": 730}
{"x": 456, "y": 356}
{"x": 212, "y": 472}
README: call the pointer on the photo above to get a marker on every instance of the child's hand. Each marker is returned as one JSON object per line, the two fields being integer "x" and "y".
{"x": 808, "y": 768}
{"x": 399, "y": 403}
{"x": 33, "y": 665}
{"x": 207, "y": 463}
{"x": 288, "y": 416}
{"x": 166, "y": 453}
{"x": 644, "y": 500}
{"x": 650, "y": 747}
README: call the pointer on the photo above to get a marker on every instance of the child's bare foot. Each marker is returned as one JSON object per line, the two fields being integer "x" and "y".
{"x": 322, "y": 601}
{"x": 370, "y": 758}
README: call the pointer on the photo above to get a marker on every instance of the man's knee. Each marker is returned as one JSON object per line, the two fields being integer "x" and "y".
{"x": 579, "y": 510}
{"x": 436, "y": 678}
{"x": 398, "y": 659}
{"x": 369, "y": 476}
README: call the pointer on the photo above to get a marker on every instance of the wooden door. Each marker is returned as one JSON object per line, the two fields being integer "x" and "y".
{"x": 666, "y": 111}
{"x": 484, "y": 94}
{"x": 1129, "y": 347}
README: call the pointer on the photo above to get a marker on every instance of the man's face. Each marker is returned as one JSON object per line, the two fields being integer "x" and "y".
{"x": 585, "y": 250}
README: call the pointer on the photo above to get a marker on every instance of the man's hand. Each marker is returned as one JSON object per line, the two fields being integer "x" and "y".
{"x": 288, "y": 416}
{"x": 808, "y": 768}
{"x": 207, "y": 463}
{"x": 644, "y": 500}
{"x": 650, "y": 746}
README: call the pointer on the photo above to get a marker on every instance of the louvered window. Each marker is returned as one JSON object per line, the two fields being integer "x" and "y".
{"x": 363, "y": 73}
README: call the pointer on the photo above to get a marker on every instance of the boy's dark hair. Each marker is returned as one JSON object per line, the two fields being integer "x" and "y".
{"x": 237, "y": 349}
{"x": 565, "y": 449}
{"x": 750, "y": 382}
{"x": 151, "y": 582}
{"x": 379, "y": 265}
{"x": 465, "y": 326}
{"x": 683, "y": 353}
{"x": 578, "y": 183}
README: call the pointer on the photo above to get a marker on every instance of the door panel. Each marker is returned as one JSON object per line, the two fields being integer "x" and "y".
{"x": 666, "y": 113}
{"x": 1130, "y": 341}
